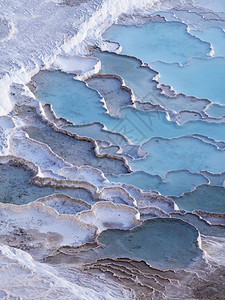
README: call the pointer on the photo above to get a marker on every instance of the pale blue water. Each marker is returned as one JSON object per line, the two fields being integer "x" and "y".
{"x": 202, "y": 226}
{"x": 203, "y": 78}
{"x": 177, "y": 154}
{"x": 136, "y": 77}
{"x": 215, "y": 179}
{"x": 96, "y": 132}
{"x": 213, "y": 35}
{"x": 166, "y": 243}
{"x": 76, "y": 102}
{"x": 216, "y": 110}
{"x": 139, "y": 79}
{"x": 15, "y": 187}
{"x": 205, "y": 197}
{"x": 70, "y": 98}
{"x": 216, "y": 5}
{"x": 151, "y": 124}
{"x": 175, "y": 183}
{"x": 158, "y": 41}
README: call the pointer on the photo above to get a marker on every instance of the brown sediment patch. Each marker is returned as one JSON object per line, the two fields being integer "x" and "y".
{"x": 39, "y": 229}
{"x": 16, "y": 161}
{"x": 202, "y": 283}
{"x": 142, "y": 291}
{"x": 71, "y": 251}
{"x": 212, "y": 286}
{"x": 145, "y": 281}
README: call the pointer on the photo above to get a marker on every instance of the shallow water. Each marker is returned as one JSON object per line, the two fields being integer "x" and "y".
{"x": 172, "y": 157}
{"x": 165, "y": 243}
{"x": 205, "y": 197}
{"x": 216, "y": 110}
{"x": 158, "y": 41}
{"x": 174, "y": 183}
{"x": 130, "y": 69}
{"x": 215, "y": 179}
{"x": 180, "y": 153}
{"x": 82, "y": 105}
{"x": 96, "y": 132}
{"x": 215, "y": 36}
{"x": 110, "y": 89}
{"x": 203, "y": 78}
{"x": 151, "y": 124}
{"x": 164, "y": 212}
{"x": 71, "y": 98}
{"x": 139, "y": 79}
{"x": 78, "y": 152}
{"x": 202, "y": 226}
{"x": 16, "y": 188}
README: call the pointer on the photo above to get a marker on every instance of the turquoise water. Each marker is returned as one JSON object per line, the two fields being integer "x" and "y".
{"x": 203, "y": 78}
{"x": 158, "y": 41}
{"x": 15, "y": 187}
{"x": 73, "y": 100}
{"x": 166, "y": 243}
{"x": 216, "y": 110}
{"x": 70, "y": 98}
{"x": 174, "y": 183}
{"x": 178, "y": 154}
{"x": 151, "y": 124}
{"x": 96, "y": 132}
{"x": 206, "y": 197}
{"x": 139, "y": 79}
{"x": 213, "y": 35}
{"x": 136, "y": 77}
{"x": 202, "y": 226}
{"x": 172, "y": 158}
{"x": 110, "y": 89}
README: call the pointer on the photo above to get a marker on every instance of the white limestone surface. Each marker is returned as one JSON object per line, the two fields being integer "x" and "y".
{"x": 34, "y": 33}
{"x": 34, "y": 280}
